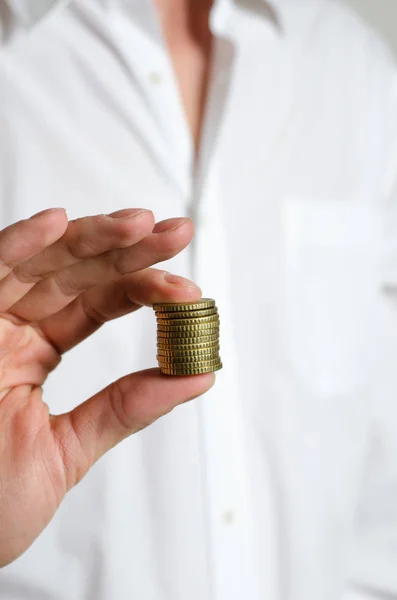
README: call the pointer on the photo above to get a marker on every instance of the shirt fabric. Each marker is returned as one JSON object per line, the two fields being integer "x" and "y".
{"x": 281, "y": 482}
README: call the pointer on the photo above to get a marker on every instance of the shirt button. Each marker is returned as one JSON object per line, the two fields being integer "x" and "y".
{"x": 155, "y": 78}
{"x": 228, "y": 517}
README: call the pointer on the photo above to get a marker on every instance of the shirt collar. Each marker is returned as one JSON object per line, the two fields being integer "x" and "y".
{"x": 29, "y": 12}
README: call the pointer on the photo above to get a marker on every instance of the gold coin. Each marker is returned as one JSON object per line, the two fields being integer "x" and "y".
{"x": 195, "y": 327}
{"x": 184, "y": 306}
{"x": 186, "y": 340}
{"x": 167, "y": 354}
{"x": 187, "y": 343}
{"x": 214, "y": 319}
{"x": 198, "y": 321}
{"x": 189, "y": 362}
{"x": 176, "y": 360}
{"x": 169, "y": 349}
{"x": 192, "y": 371}
{"x": 203, "y": 360}
{"x": 206, "y": 312}
{"x": 187, "y": 369}
{"x": 188, "y": 357}
{"x": 199, "y": 334}
{"x": 189, "y": 352}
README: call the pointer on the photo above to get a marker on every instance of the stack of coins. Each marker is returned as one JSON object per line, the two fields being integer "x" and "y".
{"x": 188, "y": 337}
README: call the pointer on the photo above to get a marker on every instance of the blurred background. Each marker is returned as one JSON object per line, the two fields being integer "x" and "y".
{"x": 382, "y": 15}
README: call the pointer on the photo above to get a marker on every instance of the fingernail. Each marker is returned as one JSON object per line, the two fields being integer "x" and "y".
{"x": 128, "y": 213}
{"x": 46, "y": 212}
{"x": 170, "y": 224}
{"x": 180, "y": 281}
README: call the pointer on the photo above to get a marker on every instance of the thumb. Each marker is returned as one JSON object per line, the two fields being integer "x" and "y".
{"x": 123, "y": 408}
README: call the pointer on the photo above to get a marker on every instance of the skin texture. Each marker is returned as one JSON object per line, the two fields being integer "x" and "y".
{"x": 186, "y": 29}
{"x": 59, "y": 282}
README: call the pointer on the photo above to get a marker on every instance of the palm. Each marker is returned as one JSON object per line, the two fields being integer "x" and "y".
{"x": 57, "y": 287}
{"x": 30, "y": 456}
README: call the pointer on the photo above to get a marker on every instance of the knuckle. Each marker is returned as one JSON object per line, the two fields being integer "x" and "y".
{"x": 88, "y": 237}
{"x": 24, "y": 276}
{"x": 93, "y": 313}
{"x": 75, "y": 461}
{"x": 116, "y": 262}
{"x": 117, "y": 404}
{"x": 81, "y": 247}
{"x": 66, "y": 285}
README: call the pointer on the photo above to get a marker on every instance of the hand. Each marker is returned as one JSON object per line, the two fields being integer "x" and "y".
{"x": 59, "y": 282}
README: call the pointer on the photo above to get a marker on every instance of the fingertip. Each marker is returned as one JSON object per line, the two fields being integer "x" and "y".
{"x": 198, "y": 384}
{"x": 52, "y": 224}
{"x": 205, "y": 381}
{"x": 171, "y": 225}
{"x": 49, "y": 211}
{"x": 152, "y": 286}
{"x": 55, "y": 220}
{"x": 134, "y": 215}
{"x": 130, "y": 213}
{"x": 181, "y": 282}
{"x": 191, "y": 386}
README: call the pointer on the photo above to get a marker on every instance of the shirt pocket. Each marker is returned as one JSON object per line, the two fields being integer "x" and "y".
{"x": 331, "y": 260}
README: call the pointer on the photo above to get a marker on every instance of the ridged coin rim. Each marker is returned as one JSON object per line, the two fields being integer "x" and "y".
{"x": 198, "y": 363}
{"x": 187, "y": 347}
{"x": 184, "y": 360}
{"x": 195, "y": 327}
{"x": 187, "y": 340}
{"x": 204, "y": 312}
{"x": 211, "y": 334}
{"x": 193, "y": 321}
{"x": 195, "y": 371}
{"x": 176, "y": 307}
{"x": 192, "y": 352}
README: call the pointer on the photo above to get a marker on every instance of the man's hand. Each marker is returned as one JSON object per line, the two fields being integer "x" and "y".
{"x": 59, "y": 282}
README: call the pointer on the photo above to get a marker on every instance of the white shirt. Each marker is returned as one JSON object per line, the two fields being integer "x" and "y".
{"x": 281, "y": 483}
